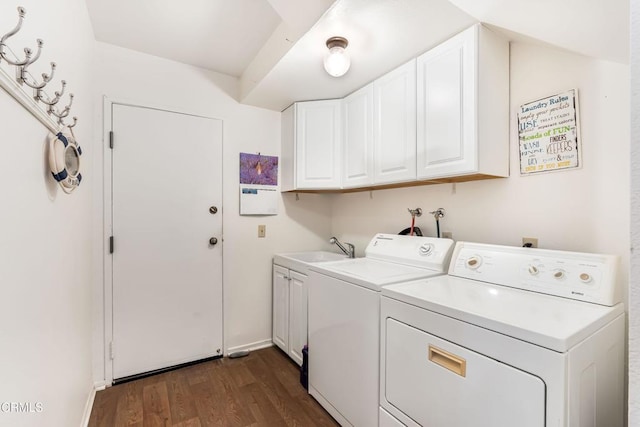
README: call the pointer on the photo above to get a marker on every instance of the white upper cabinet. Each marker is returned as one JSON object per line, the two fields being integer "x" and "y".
{"x": 394, "y": 134}
{"x": 357, "y": 138}
{"x": 462, "y": 107}
{"x": 311, "y": 145}
{"x": 442, "y": 117}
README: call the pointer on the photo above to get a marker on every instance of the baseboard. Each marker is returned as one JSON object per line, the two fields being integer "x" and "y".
{"x": 88, "y": 406}
{"x": 100, "y": 385}
{"x": 252, "y": 346}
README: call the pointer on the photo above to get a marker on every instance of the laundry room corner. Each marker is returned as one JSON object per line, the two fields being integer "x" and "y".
{"x": 584, "y": 209}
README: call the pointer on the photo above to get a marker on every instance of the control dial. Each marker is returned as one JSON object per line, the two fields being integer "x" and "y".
{"x": 426, "y": 249}
{"x": 474, "y": 262}
{"x": 533, "y": 270}
{"x": 585, "y": 277}
{"x": 559, "y": 274}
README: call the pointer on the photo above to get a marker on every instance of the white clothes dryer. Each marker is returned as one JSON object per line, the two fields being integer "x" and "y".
{"x": 510, "y": 337}
{"x": 344, "y": 320}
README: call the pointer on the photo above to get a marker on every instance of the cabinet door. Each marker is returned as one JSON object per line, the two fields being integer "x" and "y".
{"x": 297, "y": 315}
{"x": 318, "y": 143}
{"x": 395, "y": 125}
{"x": 357, "y": 138}
{"x": 288, "y": 150}
{"x": 447, "y": 137}
{"x": 281, "y": 307}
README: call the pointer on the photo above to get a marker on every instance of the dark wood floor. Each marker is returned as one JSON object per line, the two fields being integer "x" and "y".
{"x": 262, "y": 389}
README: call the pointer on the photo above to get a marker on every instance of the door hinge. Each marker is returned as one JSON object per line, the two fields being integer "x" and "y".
{"x": 111, "y": 353}
{"x": 111, "y": 139}
{"x": 110, "y": 244}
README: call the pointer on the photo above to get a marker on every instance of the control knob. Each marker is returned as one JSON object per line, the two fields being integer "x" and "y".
{"x": 558, "y": 274}
{"x": 426, "y": 249}
{"x": 474, "y": 262}
{"x": 585, "y": 277}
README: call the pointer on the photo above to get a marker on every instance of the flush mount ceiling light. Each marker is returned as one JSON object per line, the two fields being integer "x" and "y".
{"x": 337, "y": 61}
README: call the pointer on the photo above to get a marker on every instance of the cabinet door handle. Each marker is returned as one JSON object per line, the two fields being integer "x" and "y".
{"x": 286, "y": 277}
{"x": 450, "y": 361}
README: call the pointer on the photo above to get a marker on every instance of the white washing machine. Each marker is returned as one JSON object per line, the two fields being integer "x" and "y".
{"x": 344, "y": 320}
{"x": 511, "y": 337}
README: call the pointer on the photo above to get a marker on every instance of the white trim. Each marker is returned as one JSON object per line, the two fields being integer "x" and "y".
{"x": 258, "y": 345}
{"x": 100, "y": 385}
{"x": 14, "y": 89}
{"x": 107, "y": 284}
{"x": 86, "y": 415}
{"x": 162, "y": 107}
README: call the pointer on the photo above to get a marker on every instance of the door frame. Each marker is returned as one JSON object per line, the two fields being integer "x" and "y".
{"x": 107, "y": 222}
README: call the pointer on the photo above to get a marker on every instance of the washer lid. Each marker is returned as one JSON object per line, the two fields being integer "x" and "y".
{"x": 371, "y": 273}
{"x": 551, "y": 322}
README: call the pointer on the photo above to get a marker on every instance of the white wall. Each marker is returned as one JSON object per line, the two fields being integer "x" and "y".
{"x": 300, "y": 225}
{"x": 45, "y": 248}
{"x": 634, "y": 282}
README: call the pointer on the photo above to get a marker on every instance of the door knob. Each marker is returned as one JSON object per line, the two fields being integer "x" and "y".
{"x": 213, "y": 240}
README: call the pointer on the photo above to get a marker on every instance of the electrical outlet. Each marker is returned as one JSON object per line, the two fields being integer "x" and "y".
{"x": 447, "y": 235}
{"x": 530, "y": 242}
{"x": 262, "y": 230}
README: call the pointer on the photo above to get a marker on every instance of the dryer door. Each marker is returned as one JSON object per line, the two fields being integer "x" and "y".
{"x": 440, "y": 384}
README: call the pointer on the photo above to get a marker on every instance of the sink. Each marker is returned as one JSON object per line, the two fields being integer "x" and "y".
{"x": 315, "y": 256}
{"x": 300, "y": 261}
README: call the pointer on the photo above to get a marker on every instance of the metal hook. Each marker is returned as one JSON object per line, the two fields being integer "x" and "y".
{"x": 54, "y": 101}
{"x": 3, "y": 55}
{"x": 65, "y": 111}
{"x": 75, "y": 122}
{"x": 46, "y": 78}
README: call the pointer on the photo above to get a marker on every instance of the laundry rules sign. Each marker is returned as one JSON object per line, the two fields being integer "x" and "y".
{"x": 548, "y": 131}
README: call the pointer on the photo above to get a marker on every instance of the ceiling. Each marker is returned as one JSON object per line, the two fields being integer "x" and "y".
{"x": 275, "y": 47}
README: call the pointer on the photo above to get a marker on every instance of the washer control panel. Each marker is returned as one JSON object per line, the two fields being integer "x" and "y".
{"x": 581, "y": 276}
{"x": 417, "y": 251}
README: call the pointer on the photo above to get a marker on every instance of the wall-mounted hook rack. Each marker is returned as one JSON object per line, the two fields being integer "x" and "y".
{"x": 49, "y": 116}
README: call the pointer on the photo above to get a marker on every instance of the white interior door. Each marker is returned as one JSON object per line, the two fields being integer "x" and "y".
{"x": 167, "y": 277}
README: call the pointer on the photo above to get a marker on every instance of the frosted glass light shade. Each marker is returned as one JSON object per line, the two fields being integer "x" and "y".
{"x": 337, "y": 61}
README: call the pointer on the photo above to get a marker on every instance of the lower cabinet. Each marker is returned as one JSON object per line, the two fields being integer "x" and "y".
{"x": 289, "y": 311}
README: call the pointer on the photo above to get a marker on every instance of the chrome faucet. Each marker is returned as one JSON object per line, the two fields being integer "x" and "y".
{"x": 350, "y": 252}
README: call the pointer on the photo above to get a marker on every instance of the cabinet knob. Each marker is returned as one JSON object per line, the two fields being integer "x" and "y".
{"x": 213, "y": 241}
{"x": 213, "y": 210}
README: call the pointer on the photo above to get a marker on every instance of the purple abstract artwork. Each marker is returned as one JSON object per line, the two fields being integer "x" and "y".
{"x": 258, "y": 169}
